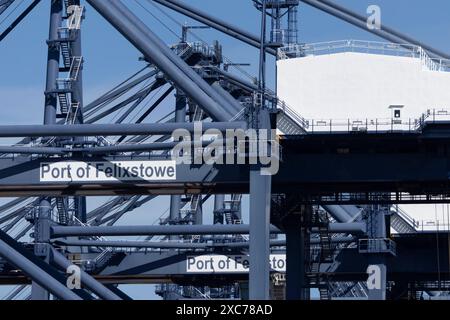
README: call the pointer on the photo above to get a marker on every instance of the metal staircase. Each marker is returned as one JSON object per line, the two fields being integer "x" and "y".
{"x": 72, "y": 113}
{"x": 75, "y": 67}
{"x": 198, "y": 114}
{"x": 232, "y": 208}
{"x": 320, "y": 254}
{"x": 64, "y": 40}
{"x": 71, "y": 65}
{"x": 188, "y": 215}
{"x": 288, "y": 121}
{"x": 402, "y": 222}
{"x": 63, "y": 210}
{"x": 348, "y": 290}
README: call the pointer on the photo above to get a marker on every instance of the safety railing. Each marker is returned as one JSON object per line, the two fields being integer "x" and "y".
{"x": 196, "y": 47}
{"x": 377, "y": 246}
{"x": 407, "y": 218}
{"x": 432, "y": 225}
{"x": 433, "y": 116}
{"x": 362, "y": 125}
{"x": 377, "y": 124}
{"x": 362, "y": 46}
{"x": 291, "y": 113}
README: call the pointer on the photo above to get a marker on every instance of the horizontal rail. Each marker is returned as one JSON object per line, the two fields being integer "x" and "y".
{"x": 13, "y": 131}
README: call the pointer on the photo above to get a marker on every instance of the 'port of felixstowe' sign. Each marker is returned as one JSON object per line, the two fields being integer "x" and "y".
{"x": 230, "y": 263}
{"x": 80, "y": 171}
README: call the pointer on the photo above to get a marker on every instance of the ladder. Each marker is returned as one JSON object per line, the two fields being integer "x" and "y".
{"x": 63, "y": 214}
{"x": 64, "y": 44}
{"x": 232, "y": 208}
{"x": 75, "y": 67}
{"x": 189, "y": 213}
{"x": 72, "y": 113}
{"x": 63, "y": 98}
{"x": 198, "y": 114}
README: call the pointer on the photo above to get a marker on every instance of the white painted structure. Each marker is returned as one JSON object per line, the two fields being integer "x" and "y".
{"x": 359, "y": 80}
{"x": 355, "y": 82}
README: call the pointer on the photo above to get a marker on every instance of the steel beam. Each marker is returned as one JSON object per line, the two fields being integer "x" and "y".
{"x": 109, "y": 129}
{"x": 175, "y": 200}
{"x": 160, "y": 245}
{"x": 180, "y": 244}
{"x": 218, "y": 208}
{"x": 260, "y": 196}
{"x": 361, "y": 22}
{"x": 296, "y": 243}
{"x": 37, "y": 274}
{"x": 51, "y": 100}
{"x": 155, "y": 105}
{"x": 237, "y": 107}
{"x": 338, "y": 213}
{"x": 19, "y": 19}
{"x": 87, "y": 280}
{"x": 120, "y": 90}
{"x": 63, "y": 231}
{"x": 216, "y": 23}
{"x": 132, "y": 28}
{"x": 136, "y": 98}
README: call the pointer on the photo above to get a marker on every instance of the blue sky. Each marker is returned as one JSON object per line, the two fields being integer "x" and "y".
{"x": 109, "y": 58}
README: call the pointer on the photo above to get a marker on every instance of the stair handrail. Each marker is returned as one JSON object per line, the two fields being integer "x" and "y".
{"x": 407, "y": 218}
{"x": 292, "y": 114}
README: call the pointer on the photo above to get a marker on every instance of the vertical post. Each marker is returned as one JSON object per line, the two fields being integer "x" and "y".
{"x": 77, "y": 84}
{"x": 51, "y": 100}
{"x": 42, "y": 238}
{"x": 77, "y": 98}
{"x": 260, "y": 192}
{"x": 199, "y": 211}
{"x": 377, "y": 260}
{"x": 180, "y": 117}
{"x": 175, "y": 207}
{"x": 378, "y": 266}
{"x": 296, "y": 242}
{"x": 218, "y": 208}
{"x": 292, "y": 25}
{"x": 260, "y": 197}
{"x": 262, "y": 52}
{"x": 42, "y": 221}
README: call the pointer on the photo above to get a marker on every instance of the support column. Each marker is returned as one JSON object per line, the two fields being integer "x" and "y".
{"x": 296, "y": 241}
{"x": 77, "y": 98}
{"x": 199, "y": 212}
{"x": 377, "y": 271}
{"x": 51, "y": 99}
{"x": 218, "y": 208}
{"x": 41, "y": 247}
{"x": 180, "y": 117}
{"x": 377, "y": 278}
{"x": 77, "y": 85}
{"x": 260, "y": 198}
{"x": 42, "y": 221}
{"x": 260, "y": 195}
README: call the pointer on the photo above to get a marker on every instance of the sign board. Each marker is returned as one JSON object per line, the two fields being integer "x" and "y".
{"x": 230, "y": 263}
{"x": 81, "y": 171}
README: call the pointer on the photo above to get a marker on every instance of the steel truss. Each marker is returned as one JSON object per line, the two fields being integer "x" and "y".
{"x": 321, "y": 228}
